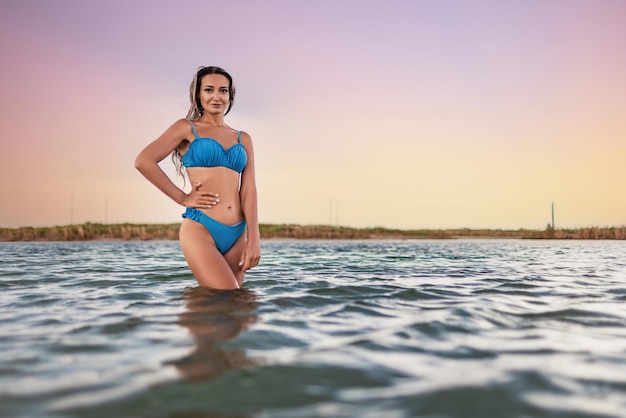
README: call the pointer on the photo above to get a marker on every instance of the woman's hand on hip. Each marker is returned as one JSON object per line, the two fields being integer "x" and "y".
{"x": 200, "y": 199}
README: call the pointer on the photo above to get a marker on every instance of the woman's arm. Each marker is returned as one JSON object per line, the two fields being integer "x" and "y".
{"x": 147, "y": 162}
{"x": 252, "y": 253}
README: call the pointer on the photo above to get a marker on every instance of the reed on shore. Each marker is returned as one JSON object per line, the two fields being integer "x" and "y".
{"x": 126, "y": 231}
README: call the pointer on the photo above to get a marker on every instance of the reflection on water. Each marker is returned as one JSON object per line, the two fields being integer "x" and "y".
{"x": 214, "y": 317}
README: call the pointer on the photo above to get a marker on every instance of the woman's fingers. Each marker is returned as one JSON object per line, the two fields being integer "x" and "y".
{"x": 204, "y": 200}
{"x": 243, "y": 261}
{"x": 212, "y": 197}
{"x": 254, "y": 261}
{"x": 201, "y": 199}
{"x": 247, "y": 261}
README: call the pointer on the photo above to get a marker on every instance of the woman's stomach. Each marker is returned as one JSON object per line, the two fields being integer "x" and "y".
{"x": 223, "y": 182}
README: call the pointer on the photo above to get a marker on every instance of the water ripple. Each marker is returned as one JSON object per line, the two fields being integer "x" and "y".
{"x": 324, "y": 328}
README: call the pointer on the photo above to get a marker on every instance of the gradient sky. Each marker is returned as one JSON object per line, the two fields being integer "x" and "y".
{"x": 407, "y": 114}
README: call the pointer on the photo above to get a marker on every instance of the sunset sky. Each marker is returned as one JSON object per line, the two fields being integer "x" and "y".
{"x": 404, "y": 114}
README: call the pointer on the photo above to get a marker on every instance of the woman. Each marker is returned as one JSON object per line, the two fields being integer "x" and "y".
{"x": 219, "y": 234}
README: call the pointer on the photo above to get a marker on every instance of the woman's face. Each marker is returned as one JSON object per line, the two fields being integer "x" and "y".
{"x": 214, "y": 93}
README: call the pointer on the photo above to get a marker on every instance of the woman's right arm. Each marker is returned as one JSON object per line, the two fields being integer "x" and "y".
{"x": 147, "y": 162}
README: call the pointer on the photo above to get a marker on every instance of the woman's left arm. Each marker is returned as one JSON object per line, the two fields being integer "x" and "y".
{"x": 252, "y": 252}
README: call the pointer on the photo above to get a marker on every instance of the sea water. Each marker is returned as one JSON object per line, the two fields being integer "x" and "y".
{"x": 459, "y": 328}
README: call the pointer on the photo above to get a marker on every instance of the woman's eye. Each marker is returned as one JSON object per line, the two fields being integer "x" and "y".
{"x": 223, "y": 91}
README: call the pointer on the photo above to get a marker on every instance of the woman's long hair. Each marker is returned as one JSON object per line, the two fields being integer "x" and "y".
{"x": 196, "y": 110}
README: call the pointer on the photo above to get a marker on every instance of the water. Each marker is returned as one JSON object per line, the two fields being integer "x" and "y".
{"x": 323, "y": 329}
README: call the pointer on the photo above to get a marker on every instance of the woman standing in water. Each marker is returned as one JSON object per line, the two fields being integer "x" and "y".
{"x": 219, "y": 234}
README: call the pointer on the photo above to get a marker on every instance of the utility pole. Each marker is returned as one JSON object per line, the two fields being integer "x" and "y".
{"x": 552, "y": 215}
{"x": 72, "y": 209}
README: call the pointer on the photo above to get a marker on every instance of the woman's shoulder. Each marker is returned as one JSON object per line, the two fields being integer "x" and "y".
{"x": 179, "y": 130}
{"x": 183, "y": 122}
{"x": 245, "y": 136}
{"x": 183, "y": 125}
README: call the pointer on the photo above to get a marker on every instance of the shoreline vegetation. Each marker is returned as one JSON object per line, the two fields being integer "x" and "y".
{"x": 125, "y": 232}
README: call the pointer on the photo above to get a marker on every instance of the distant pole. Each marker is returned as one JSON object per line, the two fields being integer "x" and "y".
{"x": 72, "y": 209}
{"x": 337, "y": 213}
{"x": 106, "y": 211}
{"x": 552, "y": 215}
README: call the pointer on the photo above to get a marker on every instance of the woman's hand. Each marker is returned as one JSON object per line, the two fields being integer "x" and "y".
{"x": 200, "y": 199}
{"x": 251, "y": 255}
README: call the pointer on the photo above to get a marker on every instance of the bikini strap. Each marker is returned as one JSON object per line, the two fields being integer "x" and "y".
{"x": 193, "y": 128}
{"x": 239, "y": 136}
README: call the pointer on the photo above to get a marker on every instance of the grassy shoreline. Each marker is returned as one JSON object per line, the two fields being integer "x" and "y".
{"x": 95, "y": 231}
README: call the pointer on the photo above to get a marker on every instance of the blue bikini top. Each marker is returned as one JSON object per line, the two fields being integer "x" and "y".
{"x": 207, "y": 152}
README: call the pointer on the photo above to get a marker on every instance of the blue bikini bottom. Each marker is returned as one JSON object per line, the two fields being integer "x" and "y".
{"x": 225, "y": 236}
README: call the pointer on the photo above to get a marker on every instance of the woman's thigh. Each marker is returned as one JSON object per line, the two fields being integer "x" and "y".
{"x": 207, "y": 264}
{"x": 233, "y": 257}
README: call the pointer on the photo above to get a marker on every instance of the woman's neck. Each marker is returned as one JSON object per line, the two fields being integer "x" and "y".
{"x": 215, "y": 120}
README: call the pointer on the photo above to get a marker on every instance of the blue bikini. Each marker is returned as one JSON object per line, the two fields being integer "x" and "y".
{"x": 207, "y": 152}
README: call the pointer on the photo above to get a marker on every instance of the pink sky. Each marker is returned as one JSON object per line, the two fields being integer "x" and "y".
{"x": 409, "y": 114}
